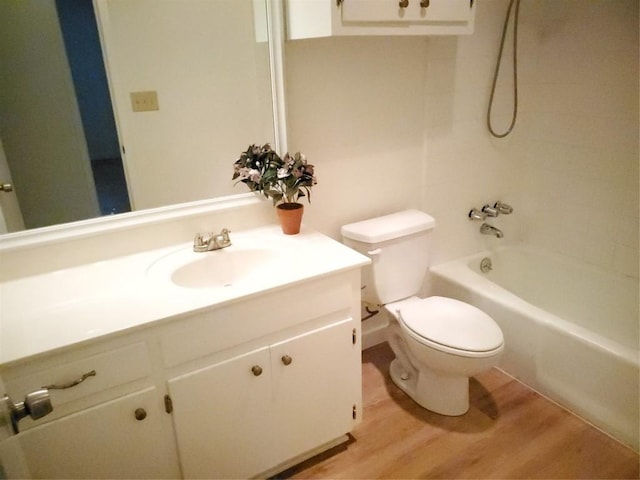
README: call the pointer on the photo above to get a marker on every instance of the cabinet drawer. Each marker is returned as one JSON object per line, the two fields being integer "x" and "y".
{"x": 113, "y": 368}
{"x": 226, "y": 327}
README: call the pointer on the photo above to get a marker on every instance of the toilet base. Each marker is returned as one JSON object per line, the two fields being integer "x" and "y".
{"x": 440, "y": 394}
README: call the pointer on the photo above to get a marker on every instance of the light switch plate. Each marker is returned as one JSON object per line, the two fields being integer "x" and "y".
{"x": 144, "y": 101}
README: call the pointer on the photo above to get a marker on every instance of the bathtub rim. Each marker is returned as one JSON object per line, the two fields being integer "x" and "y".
{"x": 459, "y": 271}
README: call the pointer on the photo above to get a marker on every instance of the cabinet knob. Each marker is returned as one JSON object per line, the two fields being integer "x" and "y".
{"x": 256, "y": 370}
{"x": 424, "y": 3}
{"x": 403, "y": 3}
{"x": 286, "y": 359}
{"x": 140, "y": 413}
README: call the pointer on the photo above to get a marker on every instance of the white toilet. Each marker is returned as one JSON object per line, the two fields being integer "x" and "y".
{"x": 438, "y": 342}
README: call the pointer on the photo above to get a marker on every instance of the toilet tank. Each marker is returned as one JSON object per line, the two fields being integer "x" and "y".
{"x": 398, "y": 245}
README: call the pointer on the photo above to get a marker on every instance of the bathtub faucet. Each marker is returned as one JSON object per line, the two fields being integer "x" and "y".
{"x": 487, "y": 229}
{"x": 503, "y": 207}
{"x": 497, "y": 209}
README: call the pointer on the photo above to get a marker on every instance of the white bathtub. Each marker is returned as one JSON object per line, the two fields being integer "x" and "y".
{"x": 571, "y": 330}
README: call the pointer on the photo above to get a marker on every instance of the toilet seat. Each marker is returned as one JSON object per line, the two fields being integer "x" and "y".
{"x": 451, "y": 326}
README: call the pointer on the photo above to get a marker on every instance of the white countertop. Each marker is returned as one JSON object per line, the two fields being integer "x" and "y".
{"x": 57, "y": 309}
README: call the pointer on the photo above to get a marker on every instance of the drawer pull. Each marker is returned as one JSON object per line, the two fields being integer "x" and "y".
{"x": 256, "y": 370}
{"x": 140, "y": 414}
{"x": 73, "y": 383}
{"x": 286, "y": 359}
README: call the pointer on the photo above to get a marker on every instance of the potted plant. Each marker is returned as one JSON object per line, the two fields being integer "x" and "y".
{"x": 284, "y": 180}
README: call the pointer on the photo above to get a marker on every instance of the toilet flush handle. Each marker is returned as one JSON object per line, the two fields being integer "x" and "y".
{"x": 375, "y": 252}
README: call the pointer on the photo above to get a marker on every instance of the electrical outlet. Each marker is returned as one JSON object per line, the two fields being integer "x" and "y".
{"x": 144, "y": 101}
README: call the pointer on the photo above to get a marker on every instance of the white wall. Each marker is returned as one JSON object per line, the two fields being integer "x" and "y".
{"x": 400, "y": 122}
{"x": 356, "y": 109}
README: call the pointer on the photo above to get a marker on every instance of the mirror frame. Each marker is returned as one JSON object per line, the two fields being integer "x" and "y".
{"x": 84, "y": 228}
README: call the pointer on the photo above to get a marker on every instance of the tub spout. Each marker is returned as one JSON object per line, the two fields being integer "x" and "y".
{"x": 487, "y": 229}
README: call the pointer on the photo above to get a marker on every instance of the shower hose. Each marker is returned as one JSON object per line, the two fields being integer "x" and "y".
{"x": 515, "y": 70}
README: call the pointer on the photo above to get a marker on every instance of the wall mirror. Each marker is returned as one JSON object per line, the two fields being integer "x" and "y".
{"x": 187, "y": 84}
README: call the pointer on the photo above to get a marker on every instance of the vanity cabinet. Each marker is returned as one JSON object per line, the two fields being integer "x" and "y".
{"x": 241, "y": 416}
{"x": 323, "y": 18}
{"x": 246, "y": 388}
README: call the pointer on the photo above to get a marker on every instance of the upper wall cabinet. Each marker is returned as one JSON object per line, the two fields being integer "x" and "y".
{"x": 324, "y": 18}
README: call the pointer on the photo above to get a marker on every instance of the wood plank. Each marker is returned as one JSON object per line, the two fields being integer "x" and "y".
{"x": 510, "y": 431}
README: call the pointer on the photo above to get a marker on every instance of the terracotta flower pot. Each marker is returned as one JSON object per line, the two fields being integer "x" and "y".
{"x": 290, "y": 216}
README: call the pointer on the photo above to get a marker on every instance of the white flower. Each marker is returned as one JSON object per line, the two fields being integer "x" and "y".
{"x": 283, "y": 173}
{"x": 243, "y": 172}
{"x": 254, "y": 175}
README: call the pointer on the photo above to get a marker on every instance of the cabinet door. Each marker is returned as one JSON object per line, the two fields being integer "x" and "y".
{"x": 222, "y": 418}
{"x": 315, "y": 393}
{"x": 106, "y": 441}
{"x": 389, "y": 11}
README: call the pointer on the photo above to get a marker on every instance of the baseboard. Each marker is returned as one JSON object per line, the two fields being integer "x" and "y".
{"x": 374, "y": 330}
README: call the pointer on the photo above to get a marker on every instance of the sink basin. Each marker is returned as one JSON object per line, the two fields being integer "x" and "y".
{"x": 215, "y": 269}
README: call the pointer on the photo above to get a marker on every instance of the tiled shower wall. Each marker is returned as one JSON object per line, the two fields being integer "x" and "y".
{"x": 579, "y": 175}
{"x": 465, "y": 167}
{"x": 570, "y": 167}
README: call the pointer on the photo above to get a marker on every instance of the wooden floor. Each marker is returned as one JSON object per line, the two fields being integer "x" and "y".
{"x": 509, "y": 432}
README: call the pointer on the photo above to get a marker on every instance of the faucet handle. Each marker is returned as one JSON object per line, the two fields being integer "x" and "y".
{"x": 475, "y": 214}
{"x": 490, "y": 211}
{"x": 226, "y": 240}
{"x": 201, "y": 242}
{"x": 503, "y": 207}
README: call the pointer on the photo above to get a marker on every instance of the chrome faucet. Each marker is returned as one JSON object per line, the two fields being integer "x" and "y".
{"x": 205, "y": 242}
{"x": 487, "y": 229}
{"x": 490, "y": 211}
{"x": 503, "y": 207}
{"x": 475, "y": 214}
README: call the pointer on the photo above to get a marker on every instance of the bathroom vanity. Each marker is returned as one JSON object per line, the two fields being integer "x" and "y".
{"x": 231, "y": 363}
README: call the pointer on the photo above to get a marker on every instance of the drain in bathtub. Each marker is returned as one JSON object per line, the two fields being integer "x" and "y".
{"x": 486, "y": 265}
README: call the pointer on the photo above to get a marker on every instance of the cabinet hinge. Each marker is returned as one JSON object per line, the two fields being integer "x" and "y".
{"x": 353, "y": 336}
{"x": 168, "y": 404}
{"x": 354, "y": 413}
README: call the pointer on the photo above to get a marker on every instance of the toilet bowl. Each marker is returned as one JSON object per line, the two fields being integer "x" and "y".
{"x": 438, "y": 342}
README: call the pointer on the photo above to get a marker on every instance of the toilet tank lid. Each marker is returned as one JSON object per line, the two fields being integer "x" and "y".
{"x": 387, "y": 227}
